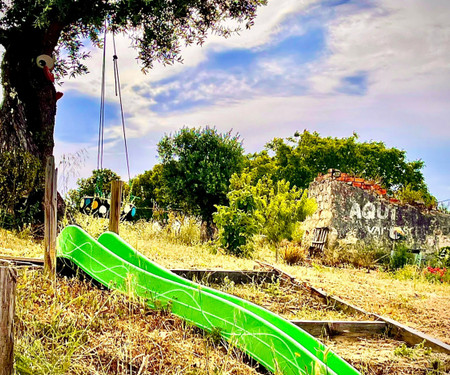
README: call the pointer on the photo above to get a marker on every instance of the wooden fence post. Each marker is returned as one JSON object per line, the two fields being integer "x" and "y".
{"x": 8, "y": 277}
{"x": 50, "y": 219}
{"x": 114, "y": 209}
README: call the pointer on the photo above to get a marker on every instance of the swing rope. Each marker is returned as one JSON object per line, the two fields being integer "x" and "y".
{"x": 118, "y": 93}
{"x": 101, "y": 126}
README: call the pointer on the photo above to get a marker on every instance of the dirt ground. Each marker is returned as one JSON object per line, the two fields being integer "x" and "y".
{"x": 423, "y": 306}
{"x": 372, "y": 355}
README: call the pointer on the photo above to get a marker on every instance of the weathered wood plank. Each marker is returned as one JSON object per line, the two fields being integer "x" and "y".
{"x": 50, "y": 219}
{"x": 209, "y": 276}
{"x": 116, "y": 202}
{"x": 219, "y": 276}
{"x": 341, "y": 328}
{"x": 21, "y": 261}
{"x": 8, "y": 277}
{"x": 412, "y": 336}
{"x": 395, "y": 329}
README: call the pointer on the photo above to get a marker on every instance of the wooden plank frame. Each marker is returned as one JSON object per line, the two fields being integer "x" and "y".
{"x": 395, "y": 329}
{"x": 8, "y": 278}
{"x": 116, "y": 202}
{"x": 50, "y": 217}
{"x": 330, "y": 328}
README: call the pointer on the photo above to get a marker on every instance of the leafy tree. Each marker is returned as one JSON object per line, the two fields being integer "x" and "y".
{"x": 260, "y": 165}
{"x": 58, "y": 28}
{"x": 198, "y": 164}
{"x": 302, "y": 157}
{"x": 241, "y": 219}
{"x": 283, "y": 208}
{"x": 150, "y": 190}
{"x": 98, "y": 184}
{"x": 272, "y": 209}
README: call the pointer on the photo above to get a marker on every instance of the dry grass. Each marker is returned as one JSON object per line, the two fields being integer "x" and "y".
{"x": 383, "y": 356}
{"x": 109, "y": 334}
{"x": 416, "y": 303}
{"x": 287, "y": 301}
{"x": 161, "y": 246}
{"x": 14, "y": 243}
{"x": 292, "y": 253}
{"x": 77, "y": 329}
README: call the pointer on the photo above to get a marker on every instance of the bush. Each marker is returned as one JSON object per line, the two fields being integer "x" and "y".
{"x": 400, "y": 257}
{"x": 283, "y": 208}
{"x": 409, "y": 272}
{"x": 236, "y": 229}
{"x": 437, "y": 274}
{"x": 292, "y": 253}
{"x": 361, "y": 254}
{"x": 272, "y": 209}
{"x": 412, "y": 196}
{"x": 19, "y": 176}
{"x": 240, "y": 220}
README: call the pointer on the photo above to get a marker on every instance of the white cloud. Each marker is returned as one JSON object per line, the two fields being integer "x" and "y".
{"x": 267, "y": 25}
{"x": 403, "y": 47}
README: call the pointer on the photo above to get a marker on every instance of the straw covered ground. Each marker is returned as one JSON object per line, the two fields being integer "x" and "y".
{"x": 78, "y": 329}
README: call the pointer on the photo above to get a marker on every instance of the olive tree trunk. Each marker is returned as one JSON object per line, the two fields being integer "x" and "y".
{"x": 27, "y": 114}
{"x": 28, "y": 109}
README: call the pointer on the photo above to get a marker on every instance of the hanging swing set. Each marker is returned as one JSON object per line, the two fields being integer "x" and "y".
{"x": 99, "y": 205}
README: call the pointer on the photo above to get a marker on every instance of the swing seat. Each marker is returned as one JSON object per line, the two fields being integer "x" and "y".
{"x": 95, "y": 206}
{"x": 99, "y": 207}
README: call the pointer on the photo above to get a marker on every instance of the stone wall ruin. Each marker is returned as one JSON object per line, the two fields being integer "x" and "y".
{"x": 361, "y": 213}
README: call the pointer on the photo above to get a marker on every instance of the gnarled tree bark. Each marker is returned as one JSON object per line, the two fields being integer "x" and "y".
{"x": 27, "y": 115}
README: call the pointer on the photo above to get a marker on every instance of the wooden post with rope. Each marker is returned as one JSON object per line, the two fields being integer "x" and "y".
{"x": 50, "y": 219}
{"x": 116, "y": 202}
{"x": 8, "y": 278}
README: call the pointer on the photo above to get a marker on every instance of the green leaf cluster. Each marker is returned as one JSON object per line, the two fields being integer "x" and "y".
{"x": 19, "y": 176}
{"x": 241, "y": 219}
{"x": 407, "y": 194}
{"x": 158, "y": 28}
{"x": 283, "y": 208}
{"x": 197, "y": 166}
{"x": 98, "y": 184}
{"x": 301, "y": 158}
{"x": 273, "y": 209}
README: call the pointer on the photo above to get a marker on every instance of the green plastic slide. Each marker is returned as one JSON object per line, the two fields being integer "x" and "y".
{"x": 278, "y": 345}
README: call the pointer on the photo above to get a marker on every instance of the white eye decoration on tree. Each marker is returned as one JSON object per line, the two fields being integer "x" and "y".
{"x": 47, "y": 63}
{"x": 45, "y": 60}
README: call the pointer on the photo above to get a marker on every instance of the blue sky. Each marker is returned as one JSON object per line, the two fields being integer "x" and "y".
{"x": 378, "y": 68}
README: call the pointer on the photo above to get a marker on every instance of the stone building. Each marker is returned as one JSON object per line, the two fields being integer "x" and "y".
{"x": 351, "y": 209}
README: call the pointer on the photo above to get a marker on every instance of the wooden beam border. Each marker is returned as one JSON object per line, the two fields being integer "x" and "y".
{"x": 330, "y": 328}
{"x": 395, "y": 329}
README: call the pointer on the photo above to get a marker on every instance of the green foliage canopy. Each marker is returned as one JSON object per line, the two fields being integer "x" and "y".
{"x": 149, "y": 191}
{"x": 158, "y": 28}
{"x": 304, "y": 156}
{"x": 283, "y": 208}
{"x": 273, "y": 209}
{"x": 98, "y": 184}
{"x": 197, "y": 166}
